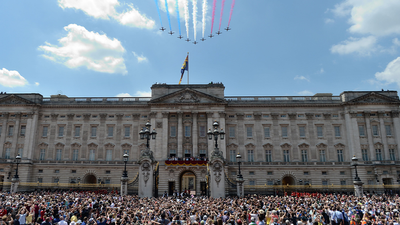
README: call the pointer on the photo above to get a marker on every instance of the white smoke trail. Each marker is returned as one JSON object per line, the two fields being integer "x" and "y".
{"x": 204, "y": 15}
{"x": 186, "y": 4}
{"x": 195, "y": 18}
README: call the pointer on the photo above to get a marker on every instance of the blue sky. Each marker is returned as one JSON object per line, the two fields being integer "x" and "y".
{"x": 85, "y": 48}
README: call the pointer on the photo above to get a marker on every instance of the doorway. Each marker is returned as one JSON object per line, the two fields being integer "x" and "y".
{"x": 171, "y": 188}
{"x": 203, "y": 188}
{"x": 90, "y": 179}
{"x": 188, "y": 182}
{"x": 288, "y": 180}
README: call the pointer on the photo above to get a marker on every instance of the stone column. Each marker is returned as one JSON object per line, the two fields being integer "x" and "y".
{"x": 358, "y": 188}
{"x": 277, "y": 154}
{"x": 164, "y": 134}
{"x": 146, "y": 179}
{"x": 102, "y": 136}
{"x": 85, "y": 135}
{"x": 30, "y": 140}
{"x": 124, "y": 186}
{"x": 371, "y": 152}
{"x": 217, "y": 177}
{"x": 383, "y": 136}
{"x": 222, "y": 125}
{"x": 241, "y": 132}
{"x": 209, "y": 126}
{"x": 15, "y": 135}
{"x": 118, "y": 137}
{"x": 153, "y": 142}
{"x": 240, "y": 186}
{"x": 195, "y": 135}
{"x": 14, "y": 185}
{"x": 180, "y": 135}
{"x": 356, "y": 150}
{"x": 3, "y": 133}
{"x": 294, "y": 134}
{"x": 258, "y": 134}
{"x": 396, "y": 126}
{"x": 135, "y": 138}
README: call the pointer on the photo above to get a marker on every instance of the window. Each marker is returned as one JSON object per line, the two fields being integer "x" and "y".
{"x": 283, "y": 115}
{"x": 20, "y": 151}
{"x": 337, "y": 131}
{"x": 268, "y": 155}
{"x": 231, "y": 116}
{"x": 252, "y": 173}
{"x": 319, "y": 131}
{"x": 304, "y": 155}
{"x": 335, "y": 115}
{"x": 361, "y": 130}
{"x": 284, "y": 131}
{"x": 340, "y": 155}
{"x": 56, "y": 180}
{"x": 10, "y": 130}
{"x": 342, "y": 173}
{"x": 73, "y": 171}
{"x": 58, "y": 154}
{"x": 202, "y": 131}
{"x": 108, "y": 171}
{"x": 267, "y": 132}
{"x": 172, "y": 153}
{"x": 75, "y": 154}
{"x": 249, "y": 131}
{"x": 107, "y": 181}
{"x": 249, "y": 116}
{"x": 364, "y": 153}
{"x": 302, "y": 131}
{"x": 369, "y": 172}
{"x": 322, "y": 156}
{"x": 187, "y": 153}
{"x": 250, "y": 155}
{"x": 342, "y": 182}
{"x": 232, "y": 155}
{"x": 40, "y": 171}
{"x": 61, "y": 131}
{"x": 187, "y": 131}
{"x": 270, "y": 173}
{"x": 127, "y": 131}
{"x": 173, "y": 131}
{"x": 324, "y": 182}
{"x": 266, "y": 116}
{"x": 392, "y": 154}
{"x": 8, "y": 153}
{"x": 300, "y": 116}
{"x": 385, "y": 172}
{"x": 286, "y": 157}
{"x": 202, "y": 153}
{"x": 45, "y": 129}
{"x": 388, "y": 130}
{"x": 109, "y": 155}
{"x": 56, "y": 171}
{"x": 324, "y": 173}
{"x": 375, "y": 130}
{"x": 378, "y": 153}
{"x": 110, "y": 131}
{"x": 93, "y": 131}
{"x": 318, "y": 115}
{"x": 270, "y": 182}
{"x": 370, "y": 182}
{"x": 23, "y": 130}
{"x": 42, "y": 154}
{"x": 252, "y": 182}
{"x": 188, "y": 116}
{"x": 231, "y": 132}
{"x": 77, "y": 131}
{"x": 40, "y": 180}
{"x": 92, "y": 155}
{"x": 306, "y": 173}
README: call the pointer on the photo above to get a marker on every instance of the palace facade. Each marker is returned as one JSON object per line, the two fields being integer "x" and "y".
{"x": 283, "y": 140}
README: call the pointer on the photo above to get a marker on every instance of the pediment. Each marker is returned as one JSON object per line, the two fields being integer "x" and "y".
{"x": 187, "y": 96}
{"x": 15, "y": 100}
{"x": 374, "y": 98}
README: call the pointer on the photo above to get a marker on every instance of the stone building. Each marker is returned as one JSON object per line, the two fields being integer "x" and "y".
{"x": 284, "y": 140}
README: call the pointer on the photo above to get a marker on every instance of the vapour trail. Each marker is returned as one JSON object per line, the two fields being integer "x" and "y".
{"x": 195, "y": 18}
{"x": 230, "y": 15}
{"x": 186, "y": 2}
{"x": 158, "y": 10}
{"x": 204, "y": 15}
{"x": 169, "y": 19}
{"x": 222, "y": 12}
{"x": 179, "y": 19}
{"x": 213, "y": 15}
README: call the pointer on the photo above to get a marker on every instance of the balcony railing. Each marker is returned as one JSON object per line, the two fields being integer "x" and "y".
{"x": 186, "y": 162}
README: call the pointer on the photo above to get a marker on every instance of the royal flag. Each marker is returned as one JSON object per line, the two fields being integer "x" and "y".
{"x": 185, "y": 66}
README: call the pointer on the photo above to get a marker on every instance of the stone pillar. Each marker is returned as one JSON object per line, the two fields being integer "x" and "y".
{"x": 164, "y": 134}
{"x": 180, "y": 135}
{"x": 217, "y": 175}
{"x": 383, "y": 136}
{"x": 124, "y": 186}
{"x": 195, "y": 135}
{"x": 358, "y": 188}
{"x": 371, "y": 151}
{"x": 15, "y": 135}
{"x": 14, "y": 185}
{"x": 396, "y": 127}
{"x": 222, "y": 125}
{"x": 30, "y": 140}
{"x": 209, "y": 126}
{"x": 146, "y": 179}
{"x": 240, "y": 186}
{"x": 3, "y": 134}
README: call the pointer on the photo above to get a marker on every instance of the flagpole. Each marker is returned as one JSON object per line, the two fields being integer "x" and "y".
{"x": 188, "y": 68}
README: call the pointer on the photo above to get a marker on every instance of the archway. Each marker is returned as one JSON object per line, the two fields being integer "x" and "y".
{"x": 288, "y": 180}
{"x": 90, "y": 179}
{"x": 187, "y": 182}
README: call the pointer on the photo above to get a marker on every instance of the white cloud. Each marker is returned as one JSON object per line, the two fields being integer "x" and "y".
{"x": 362, "y": 46}
{"x": 375, "y": 17}
{"x": 327, "y": 20}
{"x": 391, "y": 74}
{"x": 301, "y": 78}
{"x": 106, "y": 9}
{"x": 11, "y": 78}
{"x": 305, "y": 93}
{"x": 140, "y": 58}
{"x": 83, "y": 48}
{"x": 143, "y": 94}
{"x": 172, "y": 7}
{"x": 396, "y": 42}
{"x": 37, "y": 83}
{"x": 123, "y": 95}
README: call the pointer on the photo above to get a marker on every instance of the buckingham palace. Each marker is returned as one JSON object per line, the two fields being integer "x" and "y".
{"x": 281, "y": 142}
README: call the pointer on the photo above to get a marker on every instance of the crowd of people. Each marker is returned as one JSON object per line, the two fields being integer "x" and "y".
{"x": 99, "y": 208}
{"x": 198, "y": 158}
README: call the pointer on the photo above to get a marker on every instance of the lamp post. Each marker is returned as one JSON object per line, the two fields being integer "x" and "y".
{"x": 146, "y": 160}
{"x": 239, "y": 179}
{"x": 358, "y": 185}
{"x": 17, "y": 160}
{"x": 146, "y": 134}
{"x": 125, "y": 173}
{"x": 124, "y": 178}
{"x": 15, "y": 179}
{"x": 215, "y": 134}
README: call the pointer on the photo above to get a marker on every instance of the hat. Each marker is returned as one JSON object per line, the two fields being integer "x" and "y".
{"x": 253, "y": 219}
{"x": 79, "y": 221}
{"x": 260, "y": 211}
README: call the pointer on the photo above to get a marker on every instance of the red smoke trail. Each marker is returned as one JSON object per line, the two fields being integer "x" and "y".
{"x": 213, "y": 15}
{"x": 230, "y": 15}
{"x": 222, "y": 12}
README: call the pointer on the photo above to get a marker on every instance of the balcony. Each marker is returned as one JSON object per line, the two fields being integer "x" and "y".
{"x": 186, "y": 162}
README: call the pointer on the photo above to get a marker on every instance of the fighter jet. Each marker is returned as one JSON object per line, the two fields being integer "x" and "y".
{"x": 187, "y": 40}
{"x": 180, "y": 37}
{"x": 171, "y": 32}
{"x": 162, "y": 29}
{"x": 228, "y": 29}
{"x": 195, "y": 42}
{"x": 203, "y": 39}
{"x": 211, "y": 36}
{"x": 219, "y": 32}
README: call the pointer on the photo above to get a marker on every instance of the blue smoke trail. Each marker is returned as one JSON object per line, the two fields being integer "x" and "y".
{"x": 158, "y": 10}
{"x": 179, "y": 19}
{"x": 169, "y": 20}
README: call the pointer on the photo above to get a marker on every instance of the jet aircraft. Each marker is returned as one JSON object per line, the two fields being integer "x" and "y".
{"x": 228, "y": 29}
{"x": 162, "y": 29}
{"x": 187, "y": 40}
{"x": 195, "y": 42}
{"x": 171, "y": 32}
{"x": 203, "y": 39}
{"x": 219, "y": 32}
{"x": 211, "y": 36}
{"x": 180, "y": 37}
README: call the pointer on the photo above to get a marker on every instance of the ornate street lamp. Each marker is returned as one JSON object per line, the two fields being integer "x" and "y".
{"x": 125, "y": 173}
{"x": 17, "y": 160}
{"x": 239, "y": 179}
{"x": 216, "y": 133}
{"x": 355, "y": 160}
{"x": 146, "y": 134}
